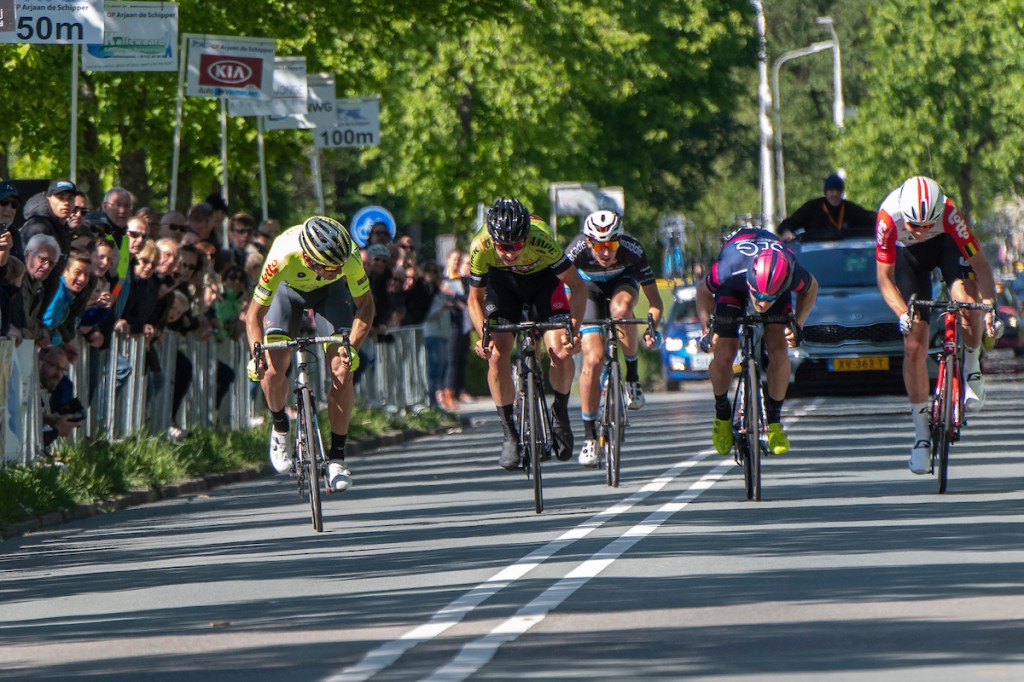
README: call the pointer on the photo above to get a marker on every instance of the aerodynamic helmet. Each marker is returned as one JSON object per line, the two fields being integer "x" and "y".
{"x": 921, "y": 201}
{"x": 769, "y": 274}
{"x": 603, "y": 226}
{"x": 325, "y": 241}
{"x": 508, "y": 221}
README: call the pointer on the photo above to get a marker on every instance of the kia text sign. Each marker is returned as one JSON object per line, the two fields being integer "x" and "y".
{"x": 55, "y": 22}
{"x": 137, "y": 36}
{"x": 290, "y": 92}
{"x": 356, "y": 124}
{"x": 220, "y": 66}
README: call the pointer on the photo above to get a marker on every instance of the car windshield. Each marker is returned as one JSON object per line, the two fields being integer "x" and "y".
{"x": 841, "y": 267}
{"x": 684, "y": 311}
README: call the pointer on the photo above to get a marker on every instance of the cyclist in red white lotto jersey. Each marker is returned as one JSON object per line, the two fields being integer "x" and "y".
{"x": 918, "y": 230}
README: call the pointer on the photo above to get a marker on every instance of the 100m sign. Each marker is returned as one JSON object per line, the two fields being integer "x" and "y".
{"x": 345, "y": 137}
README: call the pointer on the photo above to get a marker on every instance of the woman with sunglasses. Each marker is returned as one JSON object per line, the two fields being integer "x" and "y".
{"x": 614, "y": 267}
{"x": 516, "y": 262}
{"x": 754, "y": 269}
{"x": 314, "y": 266}
{"x": 919, "y": 230}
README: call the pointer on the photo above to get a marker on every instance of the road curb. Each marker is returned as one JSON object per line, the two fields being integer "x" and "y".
{"x": 136, "y": 498}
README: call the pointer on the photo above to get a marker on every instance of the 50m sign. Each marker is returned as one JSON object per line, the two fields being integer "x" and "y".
{"x": 54, "y": 22}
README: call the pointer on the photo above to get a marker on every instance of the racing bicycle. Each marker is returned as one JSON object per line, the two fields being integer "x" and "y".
{"x": 947, "y": 416}
{"x": 749, "y": 427}
{"x": 310, "y": 461}
{"x": 613, "y": 420}
{"x": 532, "y": 414}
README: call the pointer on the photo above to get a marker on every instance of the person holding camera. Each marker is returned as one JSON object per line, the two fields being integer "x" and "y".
{"x": 62, "y": 411}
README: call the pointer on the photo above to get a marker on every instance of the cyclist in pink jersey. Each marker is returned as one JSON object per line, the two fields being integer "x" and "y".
{"x": 918, "y": 230}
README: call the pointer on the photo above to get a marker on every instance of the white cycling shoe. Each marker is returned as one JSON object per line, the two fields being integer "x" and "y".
{"x": 280, "y": 452}
{"x": 338, "y": 476}
{"x": 634, "y": 395}
{"x": 921, "y": 457}
{"x": 974, "y": 396}
{"x": 588, "y": 455}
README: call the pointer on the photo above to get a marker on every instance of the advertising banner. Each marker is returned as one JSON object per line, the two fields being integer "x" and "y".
{"x": 53, "y": 22}
{"x": 226, "y": 66}
{"x": 137, "y": 36}
{"x": 356, "y": 124}
{"x": 290, "y": 92}
{"x": 319, "y": 106}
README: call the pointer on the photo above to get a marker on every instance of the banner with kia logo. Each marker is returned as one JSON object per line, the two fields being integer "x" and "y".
{"x": 222, "y": 66}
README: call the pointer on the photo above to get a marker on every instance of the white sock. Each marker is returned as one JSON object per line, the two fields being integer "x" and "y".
{"x": 920, "y": 413}
{"x": 972, "y": 360}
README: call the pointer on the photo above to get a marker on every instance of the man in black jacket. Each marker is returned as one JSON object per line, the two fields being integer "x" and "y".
{"x": 828, "y": 217}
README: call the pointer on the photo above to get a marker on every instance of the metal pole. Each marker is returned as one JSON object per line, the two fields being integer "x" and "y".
{"x": 73, "y": 161}
{"x": 764, "y": 103}
{"x": 224, "y": 164}
{"x": 176, "y": 153}
{"x": 837, "y": 73}
{"x": 779, "y": 168}
{"x": 318, "y": 188}
{"x": 263, "y": 165}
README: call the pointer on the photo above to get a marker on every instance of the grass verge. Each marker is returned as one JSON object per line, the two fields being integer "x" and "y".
{"x": 96, "y": 470}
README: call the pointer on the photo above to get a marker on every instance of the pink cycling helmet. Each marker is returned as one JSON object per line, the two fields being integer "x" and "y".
{"x": 769, "y": 274}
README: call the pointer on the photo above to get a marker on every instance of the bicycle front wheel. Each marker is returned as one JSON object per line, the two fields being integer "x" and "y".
{"x": 942, "y": 421}
{"x": 533, "y": 416}
{"x": 615, "y": 424}
{"x": 753, "y": 422}
{"x": 311, "y": 454}
{"x": 739, "y": 435}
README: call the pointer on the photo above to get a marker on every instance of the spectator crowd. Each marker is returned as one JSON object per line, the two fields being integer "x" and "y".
{"x": 71, "y": 277}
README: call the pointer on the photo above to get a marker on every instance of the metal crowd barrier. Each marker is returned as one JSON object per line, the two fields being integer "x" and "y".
{"x": 123, "y": 395}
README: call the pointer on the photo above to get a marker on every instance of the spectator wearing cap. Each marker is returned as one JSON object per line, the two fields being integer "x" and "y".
{"x": 47, "y": 213}
{"x": 828, "y": 217}
{"x": 220, "y": 209}
{"x": 201, "y": 223}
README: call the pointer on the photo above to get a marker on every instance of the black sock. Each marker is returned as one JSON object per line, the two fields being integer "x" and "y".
{"x": 508, "y": 422}
{"x": 632, "y": 374}
{"x": 561, "y": 403}
{"x": 590, "y": 429}
{"x": 772, "y": 409}
{"x": 337, "y": 446}
{"x": 280, "y": 421}
{"x": 723, "y": 410}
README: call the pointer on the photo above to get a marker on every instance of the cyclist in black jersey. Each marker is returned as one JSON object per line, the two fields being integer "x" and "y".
{"x": 516, "y": 262}
{"x": 614, "y": 267}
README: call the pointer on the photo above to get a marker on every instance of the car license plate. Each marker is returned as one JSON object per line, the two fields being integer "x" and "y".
{"x": 700, "y": 362}
{"x": 859, "y": 364}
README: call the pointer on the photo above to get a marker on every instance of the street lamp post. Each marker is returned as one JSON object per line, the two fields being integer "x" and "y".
{"x": 837, "y": 72}
{"x": 802, "y": 52}
{"x": 764, "y": 102}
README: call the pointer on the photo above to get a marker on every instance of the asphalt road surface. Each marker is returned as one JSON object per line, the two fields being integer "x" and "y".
{"x": 435, "y": 567}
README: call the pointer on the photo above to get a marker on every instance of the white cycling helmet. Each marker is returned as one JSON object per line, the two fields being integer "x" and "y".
{"x": 921, "y": 201}
{"x": 603, "y": 226}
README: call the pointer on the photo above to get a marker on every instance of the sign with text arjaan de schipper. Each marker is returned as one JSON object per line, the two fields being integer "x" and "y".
{"x": 52, "y": 22}
{"x": 137, "y": 36}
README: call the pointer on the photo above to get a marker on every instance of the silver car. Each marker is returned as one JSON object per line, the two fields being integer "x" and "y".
{"x": 852, "y": 341}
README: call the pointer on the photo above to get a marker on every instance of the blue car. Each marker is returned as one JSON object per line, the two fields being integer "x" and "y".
{"x": 681, "y": 359}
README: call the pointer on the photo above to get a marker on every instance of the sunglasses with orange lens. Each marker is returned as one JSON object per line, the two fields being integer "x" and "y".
{"x": 605, "y": 247}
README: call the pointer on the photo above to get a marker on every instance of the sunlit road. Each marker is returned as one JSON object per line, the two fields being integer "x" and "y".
{"x": 434, "y": 566}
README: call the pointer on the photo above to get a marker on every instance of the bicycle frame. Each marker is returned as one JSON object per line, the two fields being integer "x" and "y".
{"x": 749, "y": 421}
{"x": 947, "y": 415}
{"x": 310, "y": 462}
{"x": 534, "y": 418}
{"x": 613, "y": 420}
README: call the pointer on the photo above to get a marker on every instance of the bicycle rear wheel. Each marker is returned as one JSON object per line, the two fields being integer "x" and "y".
{"x": 615, "y": 425}
{"x": 536, "y": 442}
{"x": 311, "y": 453}
{"x": 753, "y": 419}
{"x": 942, "y": 421}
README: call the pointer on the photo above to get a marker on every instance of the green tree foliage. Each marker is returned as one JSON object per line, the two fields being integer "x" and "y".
{"x": 479, "y": 99}
{"x": 942, "y": 99}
